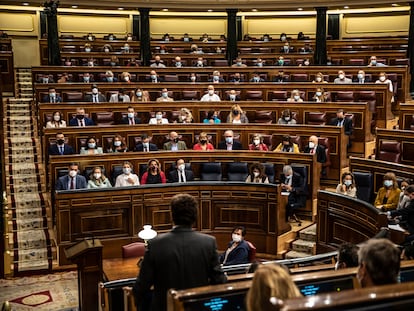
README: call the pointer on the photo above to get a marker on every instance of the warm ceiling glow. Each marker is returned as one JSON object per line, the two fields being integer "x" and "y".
{"x": 254, "y": 10}
{"x": 121, "y": 9}
{"x": 74, "y": 6}
{"x": 165, "y": 10}
{"x": 346, "y": 7}
{"x": 25, "y": 3}
{"x": 209, "y": 10}
{"x": 300, "y": 9}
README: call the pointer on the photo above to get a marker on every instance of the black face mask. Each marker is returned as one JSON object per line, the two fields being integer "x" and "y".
{"x": 203, "y": 142}
{"x": 340, "y": 119}
{"x": 236, "y": 112}
{"x": 175, "y": 140}
{"x": 153, "y": 168}
{"x": 80, "y": 116}
{"x": 60, "y": 141}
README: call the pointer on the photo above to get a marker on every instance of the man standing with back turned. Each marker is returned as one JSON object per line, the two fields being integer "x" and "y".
{"x": 179, "y": 259}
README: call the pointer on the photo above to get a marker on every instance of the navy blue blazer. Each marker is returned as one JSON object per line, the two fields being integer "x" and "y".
{"x": 46, "y": 99}
{"x": 54, "y": 150}
{"x": 63, "y": 182}
{"x": 74, "y": 122}
{"x": 236, "y": 145}
{"x": 140, "y": 147}
{"x": 125, "y": 120}
{"x": 237, "y": 256}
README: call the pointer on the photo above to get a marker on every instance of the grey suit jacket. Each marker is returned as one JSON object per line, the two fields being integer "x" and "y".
{"x": 181, "y": 145}
{"x": 180, "y": 259}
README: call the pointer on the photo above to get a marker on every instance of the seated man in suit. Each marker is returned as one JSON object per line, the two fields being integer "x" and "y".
{"x": 164, "y": 96}
{"x": 229, "y": 143}
{"x": 175, "y": 143}
{"x": 361, "y": 79}
{"x": 405, "y": 215}
{"x": 120, "y": 97}
{"x": 72, "y": 180}
{"x": 109, "y": 77}
{"x": 313, "y": 147}
{"x": 145, "y": 145}
{"x": 342, "y": 79}
{"x": 95, "y": 97}
{"x": 179, "y": 173}
{"x": 131, "y": 118}
{"x": 153, "y": 77}
{"x": 80, "y": 119}
{"x": 52, "y": 97}
{"x": 295, "y": 185}
{"x": 60, "y": 148}
{"x": 344, "y": 122}
{"x": 216, "y": 77}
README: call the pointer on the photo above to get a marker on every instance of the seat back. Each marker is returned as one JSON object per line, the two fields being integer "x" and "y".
{"x": 344, "y": 96}
{"x": 171, "y": 78}
{"x": 220, "y": 63}
{"x": 302, "y": 171}
{"x": 103, "y": 118}
{"x": 252, "y": 251}
{"x": 73, "y": 96}
{"x": 278, "y": 96}
{"x": 136, "y": 249}
{"x": 190, "y": 95}
{"x": 300, "y": 77}
{"x": 210, "y": 171}
{"x": 389, "y": 151}
{"x": 316, "y": 118}
{"x": 116, "y": 171}
{"x": 237, "y": 171}
{"x": 357, "y": 62}
{"x": 364, "y": 185}
{"x": 254, "y": 95}
{"x": 263, "y": 117}
{"x": 269, "y": 169}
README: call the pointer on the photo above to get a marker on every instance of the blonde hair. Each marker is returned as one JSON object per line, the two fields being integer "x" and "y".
{"x": 270, "y": 280}
{"x": 235, "y": 107}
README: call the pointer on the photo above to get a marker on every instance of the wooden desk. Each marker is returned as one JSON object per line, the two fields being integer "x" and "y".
{"x": 404, "y": 137}
{"x": 406, "y": 119}
{"x": 120, "y": 268}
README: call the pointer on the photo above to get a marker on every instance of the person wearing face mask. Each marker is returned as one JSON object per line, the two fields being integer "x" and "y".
{"x": 388, "y": 195}
{"x": 72, "y": 181}
{"x": 107, "y": 48}
{"x": 405, "y": 215}
{"x": 286, "y": 48}
{"x": 257, "y": 174}
{"x": 319, "y": 78}
{"x": 229, "y": 143}
{"x": 314, "y": 148}
{"x": 266, "y": 38}
{"x": 237, "y": 115}
{"x": 287, "y": 145}
{"x": 361, "y": 78}
{"x": 286, "y": 117}
{"x": 404, "y": 197}
{"x": 52, "y": 97}
{"x": 177, "y": 62}
{"x": 185, "y": 117}
{"x": 80, "y": 119}
{"x": 187, "y": 38}
{"x": 283, "y": 37}
{"x": 306, "y": 62}
{"x": 91, "y": 147}
{"x": 130, "y": 118}
{"x": 125, "y": 77}
{"x": 153, "y": 77}
{"x": 281, "y": 77}
{"x": 109, "y": 77}
{"x": 199, "y": 62}
{"x": 210, "y": 96}
{"x": 192, "y": 78}
{"x": 87, "y": 47}
{"x": 239, "y": 63}
{"x": 114, "y": 61}
{"x": 256, "y": 78}
{"x": 295, "y": 97}
{"x": 203, "y": 144}
{"x": 216, "y": 77}
{"x": 127, "y": 178}
{"x": 295, "y": 185}
{"x": 280, "y": 61}
{"x": 342, "y": 79}
{"x": 60, "y": 148}
{"x": 259, "y": 62}
{"x": 158, "y": 120}
{"x": 133, "y": 62}
{"x": 164, "y": 96}
{"x": 121, "y": 97}
{"x": 257, "y": 143}
{"x": 157, "y": 62}
{"x": 56, "y": 121}
{"x": 237, "y": 78}
{"x": 212, "y": 117}
{"x": 130, "y": 37}
{"x": 232, "y": 96}
{"x": 319, "y": 96}
{"x": 180, "y": 173}
{"x": 145, "y": 144}
{"x": 126, "y": 49}
{"x": 344, "y": 122}
{"x": 110, "y": 37}
{"x": 153, "y": 175}
{"x": 140, "y": 96}
{"x": 98, "y": 180}
{"x": 90, "y": 37}
{"x": 95, "y": 96}
{"x": 347, "y": 186}
{"x": 373, "y": 62}
{"x": 383, "y": 80}
{"x": 118, "y": 145}
{"x": 174, "y": 143}
{"x": 238, "y": 250}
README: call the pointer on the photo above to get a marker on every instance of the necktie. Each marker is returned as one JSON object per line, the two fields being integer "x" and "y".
{"x": 81, "y": 123}
{"x": 131, "y": 121}
{"x": 72, "y": 183}
{"x": 182, "y": 177}
{"x": 95, "y": 98}
{"x": 61, "y": 149}
{"x": 312, "y": 150}
{"x": 145, "y": 149}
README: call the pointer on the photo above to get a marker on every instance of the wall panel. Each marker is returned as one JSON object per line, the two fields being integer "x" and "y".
{"x": 256, "y": 27}
{"x": 26, "y": 52}
{"x": 79, "y": 25}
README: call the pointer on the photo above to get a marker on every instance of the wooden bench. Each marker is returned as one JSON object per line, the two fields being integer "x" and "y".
{"x": 406, "y": 117}
{"x": 395, "y": 145}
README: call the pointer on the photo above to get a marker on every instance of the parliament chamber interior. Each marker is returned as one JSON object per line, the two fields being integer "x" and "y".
{"x": 223, "y": 98}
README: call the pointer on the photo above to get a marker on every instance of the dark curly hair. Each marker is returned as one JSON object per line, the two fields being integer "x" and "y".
{"x": 184, "y": 209}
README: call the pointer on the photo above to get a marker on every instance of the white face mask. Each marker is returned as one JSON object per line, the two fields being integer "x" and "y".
{"x": 306, "y": 63}
{"x": 73, "y": 173}
{"x": 193, "y": 78}
{"x": 91, "y": 145}
{"x": 97, "y": 175}
{"x": 232, "y": 97}
{"x": 145, "y": 145}
{"x": 183, "y": 118}
{"x": 311, "y": 145}
{"x": 211, "y": 92}
{"x": 318, "y": 79}
{"x": 158, "y": 116}
{"x": 256, "y": 142}
{"x": 200, "y": 63}
{"x": 126, "y": 170}
{"x": 318, "y": 94}
{"x": 139, "y": 94}
{"x": 106, "y": 50}
{"x": 360, "y": 76}
{"x": 296, "y": 97}
{"x": 126, "y": 78}
{"x": 130, "y": 115}
{"x": 181, "y": 167}
{"x": 87, "y": 50}
{"x": 117, "y": 143}
{"x": 341, "y": 76}
{"x": 382, "y": 78}
{"x": 94, "y": 91}
{"x": 236, "y": 238}
{"x": 256, "y": 174}
{"x": 56, "y": 118}
{"x": 348, "y": 183}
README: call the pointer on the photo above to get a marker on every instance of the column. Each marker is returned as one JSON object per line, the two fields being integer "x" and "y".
{"x": 333, "y": 26}
{"x": 52, "y": 33}
{"x": 410, "y": 49}
{"x": 145, "y": 37}
{"x": 231, "y": 51}
{"x": 135, "y": 26}
{"x": 320, "y": 54}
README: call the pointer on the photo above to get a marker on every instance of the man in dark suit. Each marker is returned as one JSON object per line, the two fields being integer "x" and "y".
{"x": 313, "y": 147}
{"x": 145, "y": 145}
{"x": 131, "y": 118}
{"x": 229, "y": 143}
{"x": 52, "y": 97}
{"x": 80, "y": 119}
{"x": 72, "y": 180}
{"x": 361, "y": 78}
{"x": 294, "y": 184}
{"x": 154, "y": 77}
{"x": 344, "y": 122}
{"x": 180, "y": 174}
{"x": 406, "y": 215}
{"x": 175, "y": 143}
{"x": 60, "y": 148}
{"x": 179, "y": 259}
{"x": 95, "y": 97}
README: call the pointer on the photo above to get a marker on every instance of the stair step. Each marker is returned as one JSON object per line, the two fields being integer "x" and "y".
{"x": 304, "y": 246}
{"x": 295, "y": 254}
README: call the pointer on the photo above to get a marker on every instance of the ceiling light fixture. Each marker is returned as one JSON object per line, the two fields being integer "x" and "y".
{"x": 346, "y": 7}
{"x": 121, "y": 9}
{"x": 254, "y": 10}
{"x": 74, "y": 6}
{"x": 300, "y": 9}
{"x": 25, "y": 3}
{"x": 165, "y": 10}
{"x": 209, "y": 10}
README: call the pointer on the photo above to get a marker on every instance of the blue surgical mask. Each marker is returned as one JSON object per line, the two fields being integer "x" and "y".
{"x": 229, "y": 140}
{"x": 110, "y": 79}
{"x": 388, "y": 183}
{"x": 256, "y": 79}
{"x": 216, "y": 78}
{"x": 91, "y": 145}
{"x": 348, "y": 183}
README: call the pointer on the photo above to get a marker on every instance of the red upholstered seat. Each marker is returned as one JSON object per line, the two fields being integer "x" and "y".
{"x": 344, "y": 96}
{"x": 254, "y": 95}
{"x": 316, "y": 118}
{"x": 252, "y": 251}
{"x": 136, "y": 249}
{"x": 300, "y": 77}
{"x": 263, "y": 117}
{"x": 357, "y": 62}
{"x": 389, "y": 151}
{"x": 278, "y": 96}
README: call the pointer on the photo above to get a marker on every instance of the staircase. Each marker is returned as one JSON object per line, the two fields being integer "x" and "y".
{"x": 28, "y": 214}
{"x": 23, "y": 80}
{"x": 304, "y": 246}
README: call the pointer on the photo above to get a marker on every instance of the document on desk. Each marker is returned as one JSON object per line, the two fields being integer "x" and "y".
{"x": 285, "y": 193}
{"x": 396, "y": 227}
